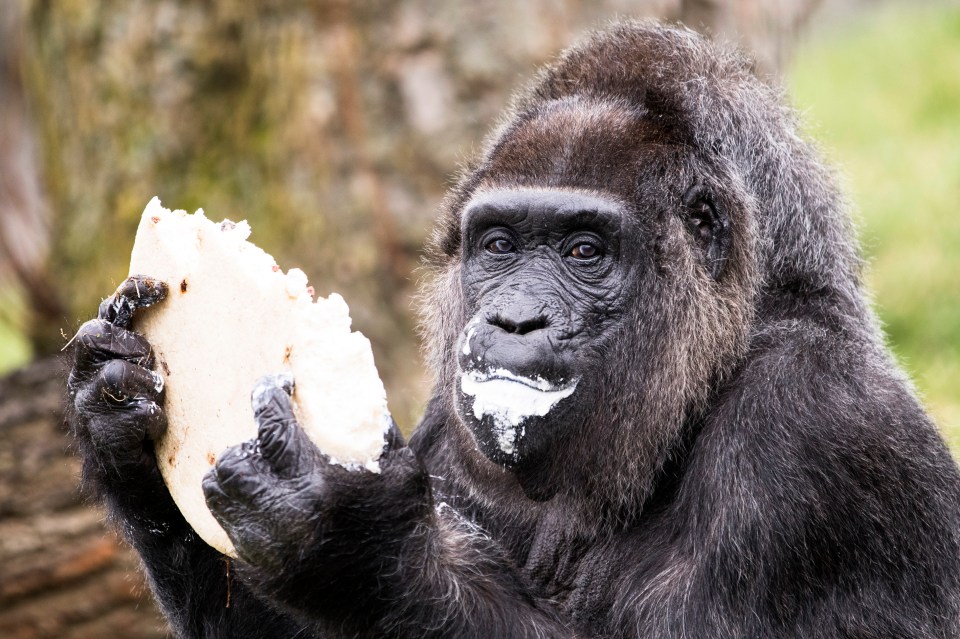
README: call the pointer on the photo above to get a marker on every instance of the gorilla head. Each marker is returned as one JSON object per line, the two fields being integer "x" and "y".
{"x": 599, "y": 268}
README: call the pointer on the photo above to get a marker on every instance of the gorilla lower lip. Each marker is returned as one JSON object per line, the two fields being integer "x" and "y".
{"x": 510, "y": 399}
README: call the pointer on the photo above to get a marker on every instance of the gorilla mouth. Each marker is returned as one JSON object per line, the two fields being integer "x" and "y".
{"x": 510, "y": 399}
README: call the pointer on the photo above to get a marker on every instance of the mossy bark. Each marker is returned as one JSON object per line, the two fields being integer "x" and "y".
{"x": 62, "y": 575}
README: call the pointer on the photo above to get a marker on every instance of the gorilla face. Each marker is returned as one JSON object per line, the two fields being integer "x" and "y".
{"x": 591, "y": 252}
{"x": 547, "y": 277}
{"x": 551, "y": 277}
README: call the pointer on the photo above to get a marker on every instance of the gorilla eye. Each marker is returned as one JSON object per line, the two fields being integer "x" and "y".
{"x": 500, "y": 246}
{"x": 584, "y": 251}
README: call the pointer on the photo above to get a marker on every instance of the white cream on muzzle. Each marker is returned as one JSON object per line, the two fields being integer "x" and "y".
{"x": 511, "y": 399}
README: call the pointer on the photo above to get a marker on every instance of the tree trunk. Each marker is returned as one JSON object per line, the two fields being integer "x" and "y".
{"x": 61, "y": 573}
{"x": 24, "y": 213}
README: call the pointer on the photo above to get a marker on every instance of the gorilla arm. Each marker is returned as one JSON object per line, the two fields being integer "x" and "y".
{"x": 115, "y": 413}
{"x": 363, "y": 553}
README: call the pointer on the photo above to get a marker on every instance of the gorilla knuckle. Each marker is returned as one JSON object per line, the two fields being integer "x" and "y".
{"x": 90, "y": 343}
{"x": 126, "y": 384}
{"x": 211, "y": 485}
{"x": 115, "y": 381}
{"x": 99, "y": 341}
{"x": 219, "y": 503}
{"x": 239, "y": 473}
{"x": 91, "y": 331}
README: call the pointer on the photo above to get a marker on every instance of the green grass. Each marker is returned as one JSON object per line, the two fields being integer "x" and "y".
{"x": 882, "y": 95}
{"x": 14, "y": 346}
{"x": 14, "y": 349}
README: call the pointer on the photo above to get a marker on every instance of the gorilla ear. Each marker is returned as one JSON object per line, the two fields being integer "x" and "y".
{"x": 709, "y": 226}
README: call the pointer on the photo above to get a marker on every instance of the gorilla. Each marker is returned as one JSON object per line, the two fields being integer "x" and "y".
{"x": 663, "y": 406}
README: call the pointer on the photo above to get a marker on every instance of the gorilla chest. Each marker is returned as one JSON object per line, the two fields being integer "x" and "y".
{"x": 568, "y": 569}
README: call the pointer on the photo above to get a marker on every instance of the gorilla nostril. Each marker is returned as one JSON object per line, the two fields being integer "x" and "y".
{"x": 519, "y": 327}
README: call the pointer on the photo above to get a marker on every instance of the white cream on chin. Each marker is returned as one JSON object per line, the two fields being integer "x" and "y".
{"x": 511, "y": 399}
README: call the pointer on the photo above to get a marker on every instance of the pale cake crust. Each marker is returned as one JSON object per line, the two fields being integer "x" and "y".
{"x": 232, "y": 316}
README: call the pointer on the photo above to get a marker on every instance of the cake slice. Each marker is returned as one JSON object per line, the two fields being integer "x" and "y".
{"x": 232, "y": 316}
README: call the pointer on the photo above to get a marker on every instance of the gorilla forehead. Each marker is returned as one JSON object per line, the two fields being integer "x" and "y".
{"x": 555, "y": 202}
{"x": 585, "y": 143}
{"x": 665, "y": 72}
{"x": 644, "y": 113}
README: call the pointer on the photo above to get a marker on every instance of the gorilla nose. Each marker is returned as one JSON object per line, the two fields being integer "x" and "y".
{"x": 518, "y": 316}
{"x": 518, "y": 325}
{"x": 521, "y": 343}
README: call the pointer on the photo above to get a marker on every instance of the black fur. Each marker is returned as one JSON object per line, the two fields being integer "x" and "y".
{"x": 740, "y": 456}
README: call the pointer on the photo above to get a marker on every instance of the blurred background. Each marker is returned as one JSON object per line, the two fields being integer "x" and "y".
{"x": 334, "y": 128}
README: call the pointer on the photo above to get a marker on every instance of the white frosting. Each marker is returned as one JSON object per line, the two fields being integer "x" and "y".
{"x": 471, "y": 329}
{"x": 511, "y": 399}
{"x": 466, "y": 340}
{"x": 231, "y": 317}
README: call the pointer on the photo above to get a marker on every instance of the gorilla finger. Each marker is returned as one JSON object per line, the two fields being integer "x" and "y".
{"x": 154, "y": 418}
{"x": 281, "y": 441}
{"x": 270, "y": 400}
{"x": 239, "y": 473}
{"x": 250, "y": 540}
{"x": 128, "y": 411}
{"x": 233, "y": 515}
{"x": 98, "y": 341}
{"x": 123, "y": 383}
{"x": 137, "y": 291}
{"x": 116, "y": 436}
{"x": 224, "y": 508}
{"x": 217, "y": 500}
{"x": 266, "y": 385}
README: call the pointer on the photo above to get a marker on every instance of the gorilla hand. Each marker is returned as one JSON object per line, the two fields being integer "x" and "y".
{"x": 313, "y": 534}
{"x": 115, "y": 414}
{"x": 116, "y": 408}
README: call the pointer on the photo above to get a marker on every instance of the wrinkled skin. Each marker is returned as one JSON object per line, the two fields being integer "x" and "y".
{"x": 548, "y": 283}
{"x": 118, "y": 401}
{"x": 286, "y": 508}
{"x": 691, "y": 426}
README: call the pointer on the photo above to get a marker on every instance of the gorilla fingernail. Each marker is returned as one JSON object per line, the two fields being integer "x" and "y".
{"x": 264, "y": 387}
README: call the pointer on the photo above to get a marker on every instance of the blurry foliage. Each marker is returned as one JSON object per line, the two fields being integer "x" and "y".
{"x": 883, "y": 95}
{"x": 14, "y": 346}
